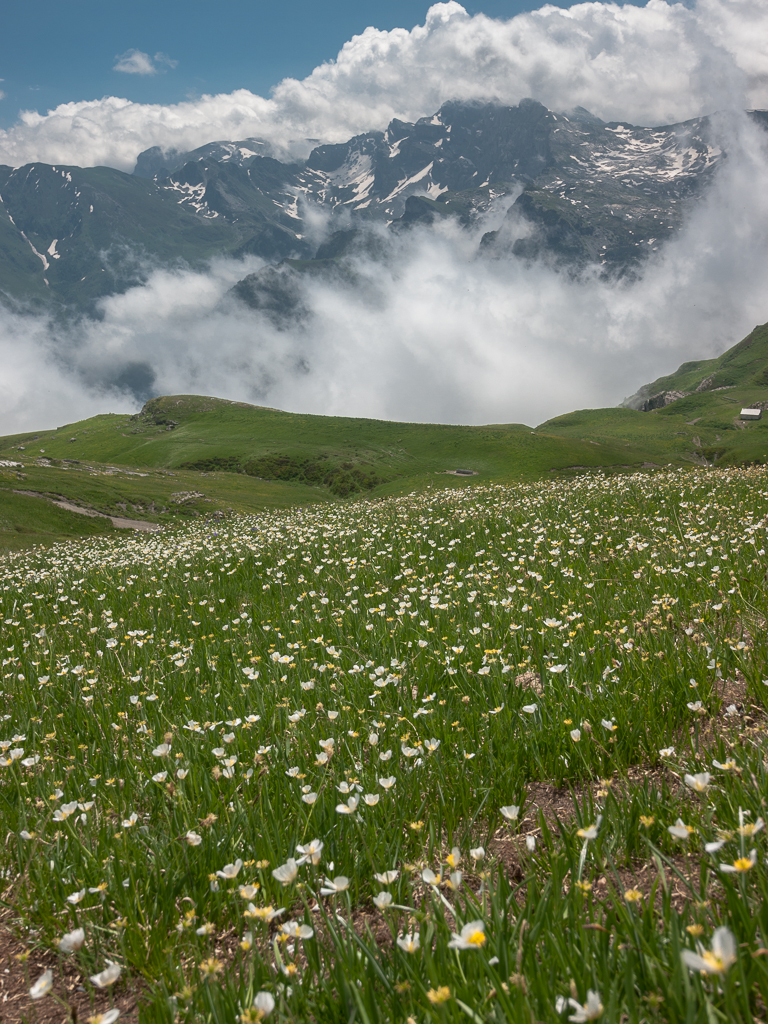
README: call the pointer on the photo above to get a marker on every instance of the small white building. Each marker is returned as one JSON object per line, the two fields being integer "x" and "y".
{"x": 751, "y": 414}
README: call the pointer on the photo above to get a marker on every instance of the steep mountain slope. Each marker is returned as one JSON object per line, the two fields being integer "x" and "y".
{"x": 695, "y": 411}
{"x": 78, "y": 234}
{"x": 608, "y": 193}
{"x": 252, "y": 192}
{"x": 461, "y": 147}
{"x": 745, "y": 365}
{"x": 156, "y": 163}
{"x": 583, "y": 190}
{"x": 612, "y": 193}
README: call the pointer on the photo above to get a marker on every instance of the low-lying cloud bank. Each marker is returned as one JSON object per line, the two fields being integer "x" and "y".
{"x": 650, "y": 65}
{"x": 433, "y": 333}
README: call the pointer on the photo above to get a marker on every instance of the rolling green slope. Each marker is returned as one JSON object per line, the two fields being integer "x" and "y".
{"x": 698, "y": 429}
{"x": 744, "y": 365}
{"x": 187, "y": 455}
{"x": 208, "y": 434}
{"x": 25, "y": 521}
{"x": 165, "y": 497}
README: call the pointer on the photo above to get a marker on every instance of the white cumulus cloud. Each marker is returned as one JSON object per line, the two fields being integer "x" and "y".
{"x": 655, "y": 64}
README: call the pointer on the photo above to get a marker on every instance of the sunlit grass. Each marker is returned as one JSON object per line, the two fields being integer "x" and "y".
{"x": 294, "y": 754}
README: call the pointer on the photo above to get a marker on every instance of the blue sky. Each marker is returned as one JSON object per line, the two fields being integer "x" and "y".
{"x": 53, "y": 52}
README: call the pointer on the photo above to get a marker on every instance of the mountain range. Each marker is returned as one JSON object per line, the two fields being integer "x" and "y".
{"x": 575, "y": 189}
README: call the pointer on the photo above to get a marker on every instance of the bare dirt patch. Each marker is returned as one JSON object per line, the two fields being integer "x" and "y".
{"x": 734, "y": 691}
{"x": 16, "y": 977}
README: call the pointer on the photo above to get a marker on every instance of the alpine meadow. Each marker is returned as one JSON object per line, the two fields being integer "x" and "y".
{"x": 377, "y": 648}
{"x": 493, "y": 752}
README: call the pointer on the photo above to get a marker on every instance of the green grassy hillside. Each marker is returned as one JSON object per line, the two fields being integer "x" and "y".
{"x": 26, "y": 520}
{"x": 186, "y": 455}
{"x": 744, "y": 365}
{"x": 208, "y": 434}
{"x": 705, "y": 423}
{"x": 211, "y": 435}
{"x": 158, "y": 496}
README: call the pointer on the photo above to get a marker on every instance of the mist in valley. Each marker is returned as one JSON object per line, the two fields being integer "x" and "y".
{"x": 422, "y": 324}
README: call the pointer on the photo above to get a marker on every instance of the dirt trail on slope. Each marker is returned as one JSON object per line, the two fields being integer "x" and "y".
{"x": 119, "y": 521}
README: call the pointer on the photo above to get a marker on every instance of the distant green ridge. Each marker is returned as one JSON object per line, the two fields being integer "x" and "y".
{"x": 185, "y": 456}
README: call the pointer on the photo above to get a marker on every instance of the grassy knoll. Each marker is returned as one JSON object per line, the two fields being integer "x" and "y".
{"x": 187, "y": 456}
{"x": 704, "y": 426}
{"x": 493, "y": 753}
